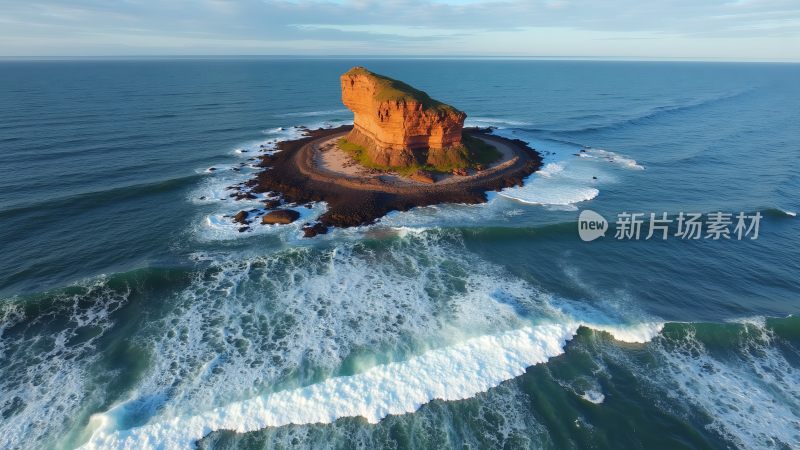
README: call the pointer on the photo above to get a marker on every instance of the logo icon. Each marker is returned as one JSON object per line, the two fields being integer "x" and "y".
{"x": 591, "y": 225}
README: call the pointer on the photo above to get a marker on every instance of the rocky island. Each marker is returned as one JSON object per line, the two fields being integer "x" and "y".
{"x": 403, "y": 150}
{"x": 396, "y": 124}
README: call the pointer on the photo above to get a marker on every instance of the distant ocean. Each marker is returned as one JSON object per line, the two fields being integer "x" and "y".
{"x": 130, "y": 308}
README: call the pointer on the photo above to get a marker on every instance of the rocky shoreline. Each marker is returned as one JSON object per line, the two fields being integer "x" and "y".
{"x": 292, "y": 175}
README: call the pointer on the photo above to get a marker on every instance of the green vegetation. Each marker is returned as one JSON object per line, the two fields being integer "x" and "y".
{"x": 447, "y": 159}
{"x": 480, "y": 151}
{"x": 473, "y": 153}
{"x": 390, "y": 89}
{"x": 359, "y": 153}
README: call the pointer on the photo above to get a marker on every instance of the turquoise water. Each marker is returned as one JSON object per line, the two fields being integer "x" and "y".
{"x": 131, "y": 308}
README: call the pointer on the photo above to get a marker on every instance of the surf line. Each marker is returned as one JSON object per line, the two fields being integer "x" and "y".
{"x": 450, "y": 373}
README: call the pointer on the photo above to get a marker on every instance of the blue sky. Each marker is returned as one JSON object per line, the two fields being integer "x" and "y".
{"x": 728, "y": 30}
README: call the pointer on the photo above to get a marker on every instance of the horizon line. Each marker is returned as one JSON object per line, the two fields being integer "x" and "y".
{"x": 396, "y": 57}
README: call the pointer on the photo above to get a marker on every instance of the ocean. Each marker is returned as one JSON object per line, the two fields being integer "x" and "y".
{"x": 133, "y": 314}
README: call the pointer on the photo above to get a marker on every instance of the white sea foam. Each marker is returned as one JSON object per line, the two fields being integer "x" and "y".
{"x": 616, "y": 158}
{"x": 564, "y": 195}
{"x": 565, "y": 180}
{"x": 284, "y": 133}
{"x": 218, "y": 224}
{"x": 752, "y": 398}
{"x": 251, "y": 322}
{"x": 561, "y": 184}
{"x": 638, "y": 333}
{"x": 593, "y": 397}
{"x": 248, "y": 322}
{"x": 551, "y": 169}
{"x": 452, "y": 373}
{"x": 51, "y": 373}
{"x": 494, "y": 122}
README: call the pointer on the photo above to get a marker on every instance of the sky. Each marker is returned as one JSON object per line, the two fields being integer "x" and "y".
{"x": 639, "y": 29}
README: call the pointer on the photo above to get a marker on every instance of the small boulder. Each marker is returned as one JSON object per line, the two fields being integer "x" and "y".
{"x": 317, "y": 228}
{"x": 242, "y": 195}
{"x": 272, "y": 204}
{"x": 240, "y": 217}
{"x": 280, "y": 216}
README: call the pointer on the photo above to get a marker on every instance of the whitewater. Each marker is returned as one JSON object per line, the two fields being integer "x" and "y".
{"x": 135, "y": 314}
{"x": 451, "y": 373}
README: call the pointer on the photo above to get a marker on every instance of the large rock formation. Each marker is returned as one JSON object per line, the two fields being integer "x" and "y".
{"x": 397, "y": 124}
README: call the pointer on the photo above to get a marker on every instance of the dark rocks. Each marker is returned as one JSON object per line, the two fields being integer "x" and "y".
{"x": 313, "y": 230}
{"x": 272, "y": 204}
{"x": 240, "y": 217}
{"x": 348, "y": 206}
{"x": 266, "y": 161}
{"x": 242, "y": 195}
{"x": 243, "y": 229}
{"x": 280, "y": 216}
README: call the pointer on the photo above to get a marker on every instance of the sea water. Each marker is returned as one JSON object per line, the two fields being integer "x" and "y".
{"x": 134, "y": 314}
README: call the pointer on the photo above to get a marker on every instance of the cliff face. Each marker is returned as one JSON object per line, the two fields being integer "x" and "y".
{"x": 393, "y": 120}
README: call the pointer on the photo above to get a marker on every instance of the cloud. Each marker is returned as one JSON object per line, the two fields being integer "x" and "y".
{"x": 393, "y": 26}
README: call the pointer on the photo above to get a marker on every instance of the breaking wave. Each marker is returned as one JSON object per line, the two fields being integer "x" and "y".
{"x": 743, "y": 376}
{"x": 370, "y": 329}
{"x": 273, "y": 339}
{"x": 452, "y": 373}
{"x": 44, "y": 376}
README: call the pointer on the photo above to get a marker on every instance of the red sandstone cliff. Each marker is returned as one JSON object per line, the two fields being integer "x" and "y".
{"x": 393, "y": 121}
